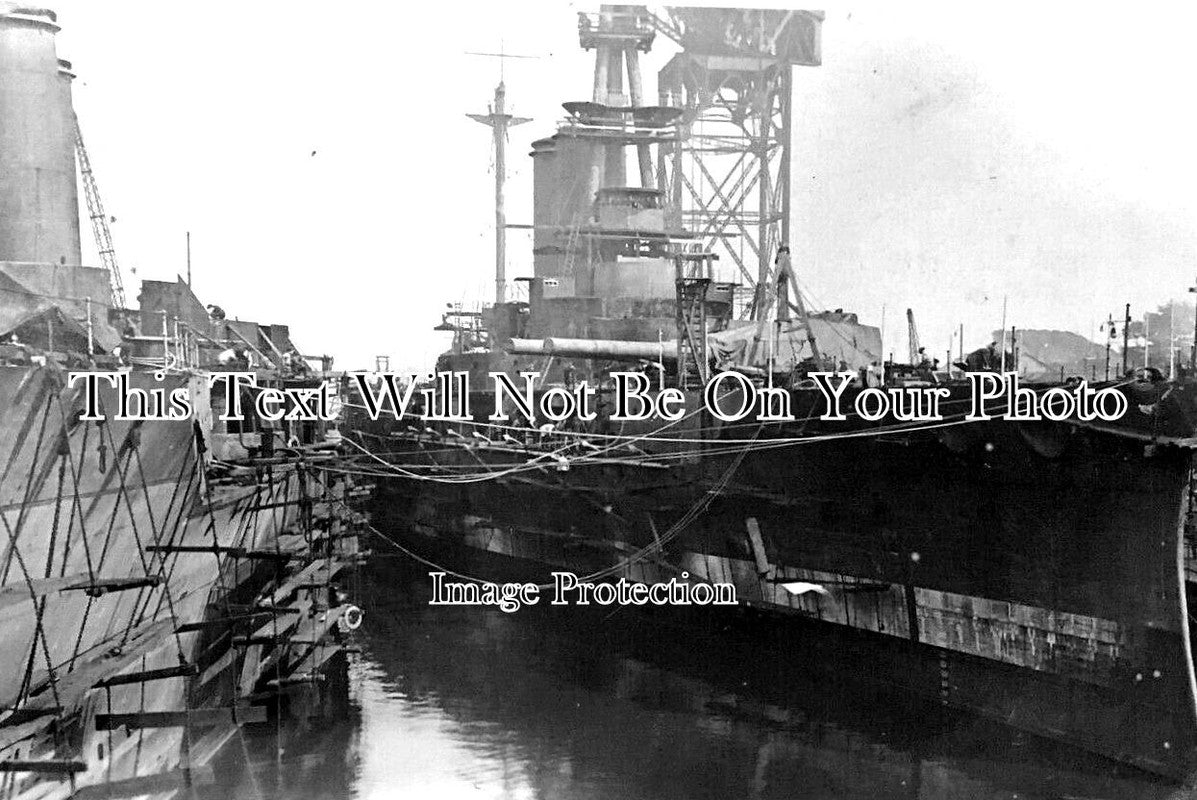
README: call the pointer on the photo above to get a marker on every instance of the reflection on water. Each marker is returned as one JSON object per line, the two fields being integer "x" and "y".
{"x": 550, "y": 703}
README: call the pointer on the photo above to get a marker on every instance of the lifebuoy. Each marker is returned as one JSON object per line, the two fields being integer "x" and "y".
{"x": 351, "y": 619}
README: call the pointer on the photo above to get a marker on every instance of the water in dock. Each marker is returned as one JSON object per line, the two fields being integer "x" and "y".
{"x": 551, "y": 703}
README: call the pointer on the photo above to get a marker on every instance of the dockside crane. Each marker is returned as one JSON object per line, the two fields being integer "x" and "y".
{"x": 99, "y": 220}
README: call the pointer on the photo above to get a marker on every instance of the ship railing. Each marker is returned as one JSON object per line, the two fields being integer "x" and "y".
{"x": 596, "y": 28}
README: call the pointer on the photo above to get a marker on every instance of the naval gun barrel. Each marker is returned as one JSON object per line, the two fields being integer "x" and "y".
{"x": 612, "y": 349}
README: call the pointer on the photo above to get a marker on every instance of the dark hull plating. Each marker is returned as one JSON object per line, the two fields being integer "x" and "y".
{"x": 1034, "y": 574}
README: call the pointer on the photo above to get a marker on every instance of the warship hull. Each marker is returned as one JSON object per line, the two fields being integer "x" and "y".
{"x": 1032, "y": 573}
{"x": 127, "y": 571}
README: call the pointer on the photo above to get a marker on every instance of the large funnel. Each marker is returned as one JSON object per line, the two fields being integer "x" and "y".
{"x": 39, "y": 200}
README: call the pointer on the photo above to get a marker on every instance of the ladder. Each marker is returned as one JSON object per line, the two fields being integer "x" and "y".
{"x": 99, "y": 220}
{"x": 692, "y": 331}
{"x": 571, "y": 244}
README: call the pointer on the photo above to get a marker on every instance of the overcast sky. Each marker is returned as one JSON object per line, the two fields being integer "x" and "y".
{"x": 945, "y": 157}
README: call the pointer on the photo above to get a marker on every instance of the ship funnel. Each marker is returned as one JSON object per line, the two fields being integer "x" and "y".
{"x": 39, "y": 196}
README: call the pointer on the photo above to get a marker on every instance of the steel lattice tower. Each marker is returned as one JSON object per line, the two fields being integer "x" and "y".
{"x": 729, "y": 178}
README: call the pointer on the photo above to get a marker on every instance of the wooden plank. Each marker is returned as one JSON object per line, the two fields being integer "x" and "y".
{"x": 102, "y": 586}
{"x": 234, "y": 552}
{"x": 296, "y": 680}
{"x": 218, "y": 667}
{"x": 178, "y": 719}
{"x": 19, "y": 592}
{"x": 314, "y": 661}
{"x": 250, "y": 641}
{"x": 224, "y": 622}
{"x": 280, "y": 627}
{"x": 193, "y": 548}
{"x": 55, "y": 767}
{"x": 74, "y": 685}
{"x": 281, "y": 504}
{"x": 19, "y": 733}
{"x": 20, "y": 716}
{"x": 309, "y": 633}
{"x": 184, "y": 671}
{"x": 244, "y": 608}
{"x": 321, "y": 568}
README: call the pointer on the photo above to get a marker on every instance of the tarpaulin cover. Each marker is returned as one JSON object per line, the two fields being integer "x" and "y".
{"x": 839, "y": 340}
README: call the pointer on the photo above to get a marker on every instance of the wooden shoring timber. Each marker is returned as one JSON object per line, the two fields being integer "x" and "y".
{"x": 309, "y": 636}
{"x": 282, "y": 626}
{"x": 98, "y": 587}
{"x": 125, "y": 678}
{"x": 234, "y": 552}
{"x": 315, "y": 660}
{"x": 225, "y": 622}
{"x": 73, "y": 686}
{"x": 298, "y": 543}
{"x": 171, "y": 781}
{"x": 217, "y": 667}
{"x": 247, "y": 608}
{"x": 196, "y": 717}
{"x": 322, "y": 568}
{"x": 252, "y": 641}
{"x": 51, "y": 767}
{"x": 16, "y": 593}
{"x": 19, "y": 716}
{"x": 273, "y": 692}
{"x": 20, "y": 731}
{"x": 299, "y": 501}
{"x": 300, "y": 679}
{"x": 313, "y": 630}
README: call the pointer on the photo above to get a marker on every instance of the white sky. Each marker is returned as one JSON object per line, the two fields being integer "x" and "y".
{"x": 945, "y": 156}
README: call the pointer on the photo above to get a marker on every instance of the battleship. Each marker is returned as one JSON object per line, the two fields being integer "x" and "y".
{"x": 164, "y": 582}
{"x": 1035, "y": 573}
